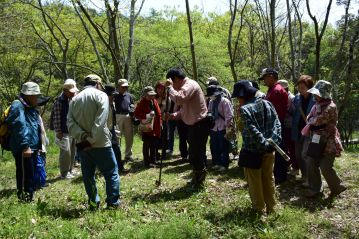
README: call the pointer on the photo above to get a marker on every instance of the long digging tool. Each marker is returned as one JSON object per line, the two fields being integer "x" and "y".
{"x": 164, "y": 138}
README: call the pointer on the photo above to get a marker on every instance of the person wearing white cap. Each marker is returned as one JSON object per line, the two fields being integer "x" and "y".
{"x": 124, "y": 104}
{"x": 87, "y": 123}
{"x": 58, "y": 123}
{"x": 25, "y": 140}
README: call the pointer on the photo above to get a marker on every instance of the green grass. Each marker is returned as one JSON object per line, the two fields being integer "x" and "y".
{"x": 222, "y": 210}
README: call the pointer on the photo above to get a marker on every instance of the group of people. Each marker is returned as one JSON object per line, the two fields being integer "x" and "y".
{"x": 88, "y": 124}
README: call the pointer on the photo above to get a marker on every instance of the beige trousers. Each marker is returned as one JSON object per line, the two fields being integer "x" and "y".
{"x": 67, "y": 157}
{"x": 124, "y": 124}
{"x": 261, "y": 184}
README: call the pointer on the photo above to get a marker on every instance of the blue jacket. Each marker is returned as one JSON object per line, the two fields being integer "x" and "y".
{"x": 297, "y": 102}
{"x": 24, "y": 126}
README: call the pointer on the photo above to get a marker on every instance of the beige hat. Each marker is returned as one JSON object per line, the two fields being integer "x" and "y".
{"x": 122, "y": 82}
{"x": 148, "y": 90}
{"x": 70, "y": 85}
{"x": 30, "y": 88}
{"x": 322, "y": 89}
{"x": 283, "y": 83}
{"x": 93, "y": 78}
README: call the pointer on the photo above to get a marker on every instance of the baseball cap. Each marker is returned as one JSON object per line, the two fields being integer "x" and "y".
{"x": 92, "y": 78}
{"x": 122, "y": 82}
{"x": 268, "y": 71}
{"x": 148, "y": 90}
{"x": 70, "y": 85}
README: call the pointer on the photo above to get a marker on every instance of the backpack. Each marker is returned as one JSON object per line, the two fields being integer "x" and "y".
{"x": 4, "y": 130}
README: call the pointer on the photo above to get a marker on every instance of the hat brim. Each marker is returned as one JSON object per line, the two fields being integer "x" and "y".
{"x": 74, "y": 90}
{"x": 314, "y": 91}
{"x": 42, "y": 100}
{"x": 151, "y": 93}
{"x": 124, "y": 85}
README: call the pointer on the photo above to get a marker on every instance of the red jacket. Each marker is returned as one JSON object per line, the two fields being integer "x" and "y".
{"x": 143, "y": 108}
{"x": 279, "y": 98}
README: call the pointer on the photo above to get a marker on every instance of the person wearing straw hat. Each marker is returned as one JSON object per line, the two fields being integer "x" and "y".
{"x": 25, "y": 139}
{"x": 58, "y": 123}
{"x": 87, "y": 123}
{"x": 149, "y": 112}
{"x": 323, "y": 143}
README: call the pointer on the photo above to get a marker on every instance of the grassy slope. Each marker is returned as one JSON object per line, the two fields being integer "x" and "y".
{"x": 173, "y": 211}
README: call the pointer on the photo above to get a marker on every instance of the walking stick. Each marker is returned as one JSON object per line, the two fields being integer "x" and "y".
{"x": 164, "y": 139}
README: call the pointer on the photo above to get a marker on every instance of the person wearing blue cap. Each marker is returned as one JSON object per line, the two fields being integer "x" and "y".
{"x": 260, "y": 122}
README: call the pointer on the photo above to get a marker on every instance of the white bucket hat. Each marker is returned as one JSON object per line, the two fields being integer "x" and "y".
{"x": 30, "y": 88}
{"x": 70, "y": 85}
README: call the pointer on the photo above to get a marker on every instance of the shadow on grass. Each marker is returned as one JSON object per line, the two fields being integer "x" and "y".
{"x": 6, "y": 193}
{"x": 61, "y": 212}
{"x": 240, "y": 216}
{"x": 181, "y": 193}
{"x": 292, "y": 193}
{"x": 232, "y": 173}
{"x": 178, "y": 169}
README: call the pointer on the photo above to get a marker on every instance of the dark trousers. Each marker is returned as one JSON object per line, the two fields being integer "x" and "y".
{"x": 219, "y": 148}
{"x": 182, "y": 129}
{"x": 197, "y": 140}
{"x": 280, "y": 165}
{"x": 25, "y": 169}
{"x": 117, "y": 152}
{"x": 149, "y": 148}
{"x": 289, "y": 147}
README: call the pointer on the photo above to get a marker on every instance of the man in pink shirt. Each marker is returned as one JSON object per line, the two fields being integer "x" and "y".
{"x": 278, "y": 96}
{"x": 188, "y": 94}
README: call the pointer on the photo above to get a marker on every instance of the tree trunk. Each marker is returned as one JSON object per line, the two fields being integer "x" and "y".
{"x": 273, "y": 33}
{"x": 292, "y": 53}
{"x": 189, "y": 21}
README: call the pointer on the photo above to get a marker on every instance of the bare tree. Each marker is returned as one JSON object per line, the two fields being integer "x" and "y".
{"x": 93, "y": 42}
{"x": 233, "y": 48}
{"x": 318, "y": 35}
{"x": 193, "y": 52}
{"x": 133, "y": 17}
{"x": 57, "y": 34}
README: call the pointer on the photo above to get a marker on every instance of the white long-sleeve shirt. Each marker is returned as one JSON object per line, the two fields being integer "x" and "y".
{"x": 87, "y": 117}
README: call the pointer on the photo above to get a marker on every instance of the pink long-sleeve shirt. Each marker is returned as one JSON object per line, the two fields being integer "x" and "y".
{"x": 192, "y": 101}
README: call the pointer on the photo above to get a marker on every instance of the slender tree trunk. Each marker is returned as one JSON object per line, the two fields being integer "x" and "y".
{"x": 292, "y": 53}
{"x": 94, "y": 45}
{"x": 233, "y": 11}
{"x": 189, "y": 21}
{"x": 318, "y": 36}
{"x": 273, "y": 33}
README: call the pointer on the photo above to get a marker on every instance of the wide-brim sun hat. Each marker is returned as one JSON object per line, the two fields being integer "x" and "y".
{"x": 30, "y": 88}
{"x": 322, "y": 89}
{"x": 122, "y": 83}
{"x": 213, "y": 90}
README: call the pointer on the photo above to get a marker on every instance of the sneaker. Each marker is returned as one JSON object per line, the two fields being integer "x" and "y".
{"x": 68, "y": 176}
